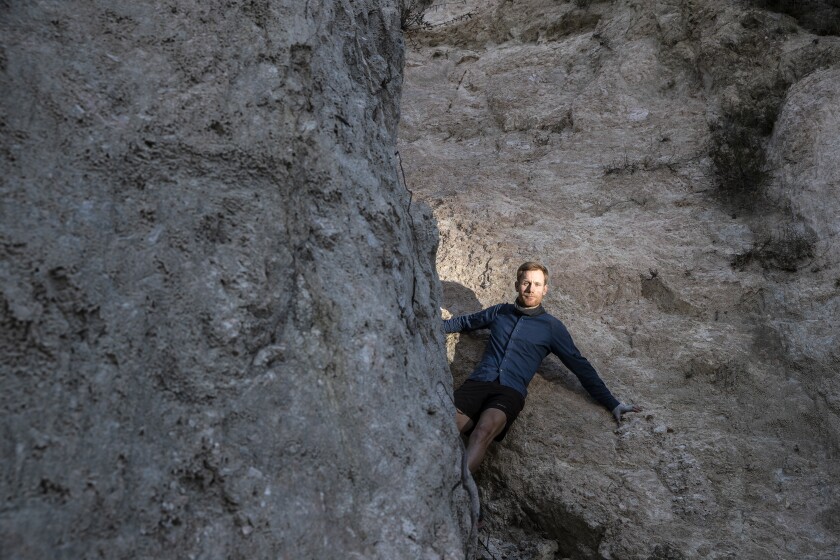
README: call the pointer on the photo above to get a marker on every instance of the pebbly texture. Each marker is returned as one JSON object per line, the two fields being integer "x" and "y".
{"x": 219, "y": 325}
{"x": 675, "y": 165}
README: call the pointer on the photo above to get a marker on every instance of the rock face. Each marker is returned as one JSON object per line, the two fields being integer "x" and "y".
{"x": 219, "y": 321}
{"x": 675, "y": 165}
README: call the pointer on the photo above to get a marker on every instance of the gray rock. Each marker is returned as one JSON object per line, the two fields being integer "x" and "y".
{"x": 219, "y": 327}
{"x": 594, "y": 136}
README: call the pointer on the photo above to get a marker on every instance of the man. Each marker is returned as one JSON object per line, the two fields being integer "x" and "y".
{"x": 521, "y": 335}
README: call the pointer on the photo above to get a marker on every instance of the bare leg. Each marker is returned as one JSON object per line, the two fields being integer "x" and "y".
{"x": 462, "y": 421}
{"x": 490, "y": 424}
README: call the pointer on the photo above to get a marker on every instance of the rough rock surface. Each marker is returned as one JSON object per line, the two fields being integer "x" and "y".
{"x": 219, "y": 306}
{"x": 675, "y": 165}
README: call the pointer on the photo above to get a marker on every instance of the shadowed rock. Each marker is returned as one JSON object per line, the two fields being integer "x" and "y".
{"x": 219, "y": 315}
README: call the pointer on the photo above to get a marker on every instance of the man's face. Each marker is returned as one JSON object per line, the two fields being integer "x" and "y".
{"x": 531, "y": 288}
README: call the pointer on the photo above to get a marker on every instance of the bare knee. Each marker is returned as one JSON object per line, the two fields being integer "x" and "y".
{"x": 483, "y": 434}
{"x": 489, "y": 426}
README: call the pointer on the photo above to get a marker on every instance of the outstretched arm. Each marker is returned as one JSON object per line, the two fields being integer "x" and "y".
{"x": 564, "y": 348}
{"x": 471, "y": 322}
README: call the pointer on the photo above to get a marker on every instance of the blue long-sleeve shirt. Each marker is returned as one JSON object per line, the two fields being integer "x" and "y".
{"x": 518, "y": 343}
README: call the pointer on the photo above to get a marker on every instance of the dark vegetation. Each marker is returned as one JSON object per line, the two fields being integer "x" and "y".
{"x": 817, "y": 16}
{"x": 413, "y": 12}
{"x": 789, "y": 248}
{"x": 411, "y": 16}
{"x": 741, "y": 132}
{"x": 656, "y": 159}
{"x": 738, "y": 157}
{"x": 746, "y": 122}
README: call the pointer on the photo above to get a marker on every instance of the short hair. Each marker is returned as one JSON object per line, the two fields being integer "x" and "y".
{"x": 530, "y": 265}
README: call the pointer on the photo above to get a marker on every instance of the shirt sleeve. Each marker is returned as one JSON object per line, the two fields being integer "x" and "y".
{"x": 564, "y": 348}
{"x": 466, "y": 323}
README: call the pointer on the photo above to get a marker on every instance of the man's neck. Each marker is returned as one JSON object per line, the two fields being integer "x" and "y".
{"x": 530, "y": 311}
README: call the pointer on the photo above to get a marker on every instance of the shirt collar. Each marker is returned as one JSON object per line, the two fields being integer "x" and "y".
{"x": 529, "y": 311}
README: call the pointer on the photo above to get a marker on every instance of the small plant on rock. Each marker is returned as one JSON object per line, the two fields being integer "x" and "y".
{"x": 412, "y": 15}
{"x": 789, "y": 248}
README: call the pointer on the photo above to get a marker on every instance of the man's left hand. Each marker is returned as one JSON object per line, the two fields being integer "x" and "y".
{"x": 622, "y": 408}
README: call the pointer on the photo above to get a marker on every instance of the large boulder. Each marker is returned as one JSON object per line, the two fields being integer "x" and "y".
{"x": 632, "y": 148}
{"x": 219, "y": 305}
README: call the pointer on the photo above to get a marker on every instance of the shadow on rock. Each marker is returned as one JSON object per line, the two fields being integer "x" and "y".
{"x": 464, "y": 350}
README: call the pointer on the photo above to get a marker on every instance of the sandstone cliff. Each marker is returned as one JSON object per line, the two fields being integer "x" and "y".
{"x": 219, "y": 306}
{"x": 676, "y": 164}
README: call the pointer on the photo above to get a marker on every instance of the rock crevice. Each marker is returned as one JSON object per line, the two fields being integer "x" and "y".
{"x": 670, "y": 162}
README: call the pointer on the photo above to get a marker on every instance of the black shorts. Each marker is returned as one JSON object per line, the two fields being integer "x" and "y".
{"x": 474, "y": 397}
